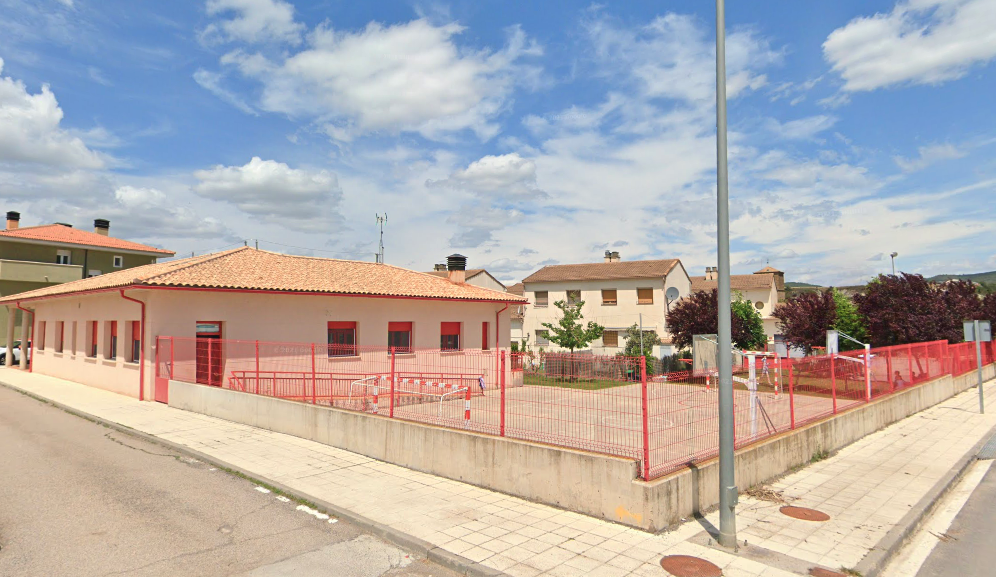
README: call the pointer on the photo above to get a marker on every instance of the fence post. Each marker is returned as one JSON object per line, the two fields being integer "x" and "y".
{"x": 466, "y": 409}
{"x": 646, "y": 419}
{"x": 868, "y": 373}
{"x": 501, "y": 428}
{"x": 791, "y": 397}
{"x": 172, "y": 372}
{"x": 313, "y": 378}
{"x": 833, "y": 383}
{"x": 909, "y": 361}
{"x": 390, "y": 402}
{"x": 257, "y": 367}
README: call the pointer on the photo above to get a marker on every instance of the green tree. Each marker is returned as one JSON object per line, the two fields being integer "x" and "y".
{"x": 569, "y": 333}
{"x": 848, "y": 321}
{"x": 752, "y": 336}
{"x": 634, "y": 348}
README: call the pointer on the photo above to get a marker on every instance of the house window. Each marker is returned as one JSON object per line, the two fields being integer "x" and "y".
{"x": 93, "y": 272}
{"x": 112, "y": 340}
{"x": 542, "y": 298}
{"x": 40, "y": 344}
{"x": 60, "y": 335}
{"x": 542, "y": 338}
{"x": 91, "y": 341}
{"x": 485, "y": 331}
{"x": 118, "y": 261}
{"x": 573, "y": 297}
{"x": 399, "y": 337}
{"x": 644, "y": 296}
{"x": 449, "y": 336}
{"x": 136, "y": 342}
{"x": 609, "y": 297}
{"x": 342, "y": 338}
{"x": 63, "y": 257}
{"x": 610, "y": 339}
{"x": 72, "y": 340}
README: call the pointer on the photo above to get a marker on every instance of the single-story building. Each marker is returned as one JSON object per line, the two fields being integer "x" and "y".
{"x": 102, "y": 331}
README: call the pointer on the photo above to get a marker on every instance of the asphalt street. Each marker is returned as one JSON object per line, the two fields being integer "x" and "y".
{"x": 80, "y": 499}
{"x": 968, "y": 547}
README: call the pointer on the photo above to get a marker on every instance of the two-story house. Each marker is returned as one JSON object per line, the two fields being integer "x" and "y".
{"x": 616, "y": 295}
{"x": 764, "y": 289}
{"x": 39, "y": 256}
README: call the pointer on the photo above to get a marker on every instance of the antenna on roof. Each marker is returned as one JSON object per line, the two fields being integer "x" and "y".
{"x": 380, "y": 250}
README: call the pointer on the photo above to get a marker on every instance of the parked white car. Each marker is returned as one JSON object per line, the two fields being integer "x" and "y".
{"x": 17, "y": 353}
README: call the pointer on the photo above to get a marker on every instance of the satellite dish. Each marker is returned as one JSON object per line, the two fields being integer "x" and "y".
{"x": 672, "y": 294}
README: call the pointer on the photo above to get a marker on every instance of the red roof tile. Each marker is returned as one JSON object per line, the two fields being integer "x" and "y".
{"x": 69, "y": 235}
{"x": 603, "y": 271}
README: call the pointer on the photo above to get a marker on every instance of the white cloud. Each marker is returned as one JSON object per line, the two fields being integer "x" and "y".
{"x": 508, "y": 177}
{"x": 30, "y": 130}
{"x": 149, "y": 213}
{"x": 802, "y": 128}
{"x": 918, "y": 42}
{"x": 253, "y": 21}
{"x": 273, "y": 190}
{"x": 929, "y": 155}
{"x": 409, "y": 77}
{"x": 211, "y": 81}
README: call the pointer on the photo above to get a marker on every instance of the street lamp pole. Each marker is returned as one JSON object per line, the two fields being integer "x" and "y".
{"x": 894, "y": 255}
{"x": 727, "y": 487}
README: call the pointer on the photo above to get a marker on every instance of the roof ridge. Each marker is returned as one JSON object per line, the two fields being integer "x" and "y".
{"x": 33, "y": 227}
{"x": 193, "y": 261}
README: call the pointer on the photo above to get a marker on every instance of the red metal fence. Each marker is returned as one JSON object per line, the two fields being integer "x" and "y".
{"x": 596, "y": 403}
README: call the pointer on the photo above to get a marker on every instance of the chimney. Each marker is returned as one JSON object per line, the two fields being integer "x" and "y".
{"x": 615, "y": 256}
{"x": 101, "y": 226}
{"x": 611, "y": 256}
{"x": 457, "y": 265}
{"x": 13, "y": 220}
{"x": 439, "y": 267}
{"x": 711, "y": 272}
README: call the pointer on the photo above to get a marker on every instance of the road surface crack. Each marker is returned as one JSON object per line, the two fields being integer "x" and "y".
{"x": 123, "y": 444}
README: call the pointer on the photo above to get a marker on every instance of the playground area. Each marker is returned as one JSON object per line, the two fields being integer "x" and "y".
{"x": 607, "y": 405}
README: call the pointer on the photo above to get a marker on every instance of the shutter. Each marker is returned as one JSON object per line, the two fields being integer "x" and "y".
{"x": 343, "y": 325}
{"x": 399, "y": 327}
{"x": 610, "y": 339}
{"x": 136, "y": 330}
{"x": 447, "y": 329}
{"x": 609, "y": 296}
{"x": 484, "y": 336}
{"x": 645, "y": 296}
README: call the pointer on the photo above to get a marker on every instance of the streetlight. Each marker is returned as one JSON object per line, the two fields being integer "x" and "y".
{"x": 727, "y": 487}
{"x": 894, "y": 255}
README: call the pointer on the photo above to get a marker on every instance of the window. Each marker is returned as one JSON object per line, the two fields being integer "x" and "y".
{"x": 609, "y": 297}
{"x": 72, "y": 340}
{"x": 644, "y": 296}
{"x": 573, "y": 297}
{"x": 40, "y": 338}
{"x": 93, "y": 272}
{"x": 449, "y": 336}
{"x": 542, "y": 298}
{"x": 342, "y": 338}
{"x": 399, "y": 337}
{"x": 91, "y": 341}
{"x": 112, "y": 340}
{"x": 485, "y": 331}
{"x": 759, "y": 305}
{"x": 542, "y": 338}
{"x": 63, "y": 257}
{"x": 118, "y": 261}
{"x": 136, "y": 342}
{"x": 60, "y": 335}
{"x": 610, "y": 339}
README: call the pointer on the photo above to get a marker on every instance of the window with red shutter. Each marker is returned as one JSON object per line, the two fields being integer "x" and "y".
{"x": 449, "y": 336}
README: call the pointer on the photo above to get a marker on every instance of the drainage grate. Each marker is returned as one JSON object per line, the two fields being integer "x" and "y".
{"x": 687, "y": 566}
{"x": 804, "y": 514}
{"x": 988, "y": 450}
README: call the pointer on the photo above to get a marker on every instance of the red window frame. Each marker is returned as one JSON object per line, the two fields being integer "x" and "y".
{"x": 136, "y": 341}
{"x": 449, "y": 336}
{"x": 93, "y": 339}
{"x": 342, "y": 338}
{"x": 60, "y": 343}
{"x": 40, "y": 339}
{"x": 112, "y": 342}
{"x": 399, "y": 336}
{"x": 485, "y": 331}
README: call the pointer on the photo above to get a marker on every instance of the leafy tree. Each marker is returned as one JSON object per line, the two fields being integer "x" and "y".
{"x": 848, "y": 321}
{"x": 633, "y": 346}
{"x": 901, "y": 309}
{"x": 697, "y": 314}
{"x": 569, "y": 332}
{"x": 805, "y": 318}
{"x": 989, "y": 308}
{"x": 962, "y": 302}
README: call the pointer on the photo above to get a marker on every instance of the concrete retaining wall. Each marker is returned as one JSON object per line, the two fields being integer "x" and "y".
{"x": 599, "y": 485}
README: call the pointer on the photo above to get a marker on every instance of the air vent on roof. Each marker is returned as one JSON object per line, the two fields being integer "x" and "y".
{"x": 13, "y": 218}
{"x": 101, "y": 226}
{"x": 457, "y": 265}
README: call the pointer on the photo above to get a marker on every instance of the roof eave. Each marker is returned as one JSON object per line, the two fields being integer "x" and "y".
{"x": 155, "y": 253}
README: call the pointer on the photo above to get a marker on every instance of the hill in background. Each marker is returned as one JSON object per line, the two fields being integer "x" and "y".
{"x": 980, "y": 277}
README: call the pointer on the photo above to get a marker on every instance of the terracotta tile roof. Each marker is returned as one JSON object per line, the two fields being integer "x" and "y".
{"x": 517, "y": 289}
{"x": 603, "y": 271}
{"x": 69, "y": 235}
{"x": 251, "y": 269}
{"x": 737, "y": 282}
{"x": 767, "y": 269}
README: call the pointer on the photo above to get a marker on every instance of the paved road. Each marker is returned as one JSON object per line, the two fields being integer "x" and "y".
{"x": 79, "y": 499}
{"x": 968, "y": 549}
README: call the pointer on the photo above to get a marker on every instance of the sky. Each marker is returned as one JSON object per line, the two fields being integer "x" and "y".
{"x": 519, "y": 134}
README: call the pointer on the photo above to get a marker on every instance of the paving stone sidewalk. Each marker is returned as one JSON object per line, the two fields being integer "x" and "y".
{"x": 866, "y": 488}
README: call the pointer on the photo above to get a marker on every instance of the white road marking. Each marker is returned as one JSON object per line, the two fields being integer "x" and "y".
{"x": 283, "y": 499}
{"x": 911, "y": 557}
{"x": 333, "y": 520}
{"x": 312, "y": 512}
{"x": 262, "y": 489}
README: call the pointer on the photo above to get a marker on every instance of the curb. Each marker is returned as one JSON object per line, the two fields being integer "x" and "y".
{"x": 431, "y": 552}
{"x": 889, "y": 545}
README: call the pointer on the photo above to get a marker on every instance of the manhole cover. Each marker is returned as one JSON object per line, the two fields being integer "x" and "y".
{"x": 804, "y": 513}
{"x": 687, "y": 566}
{"x": 821, "y": 572}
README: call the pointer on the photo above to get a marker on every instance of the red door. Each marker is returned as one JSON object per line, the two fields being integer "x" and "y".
{"x": 209, "y": 357}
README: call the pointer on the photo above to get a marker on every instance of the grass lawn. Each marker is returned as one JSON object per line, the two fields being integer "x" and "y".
{"x": 581, "y": 384}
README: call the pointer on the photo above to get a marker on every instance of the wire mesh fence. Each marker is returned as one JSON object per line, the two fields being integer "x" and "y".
{"x": 606, "y": 404}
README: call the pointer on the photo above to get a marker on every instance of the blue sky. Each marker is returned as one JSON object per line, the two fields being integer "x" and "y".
{"x": 516, "y": 133}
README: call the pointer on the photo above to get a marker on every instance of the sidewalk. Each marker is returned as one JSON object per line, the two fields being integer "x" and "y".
{"x": 866, "y": 488}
